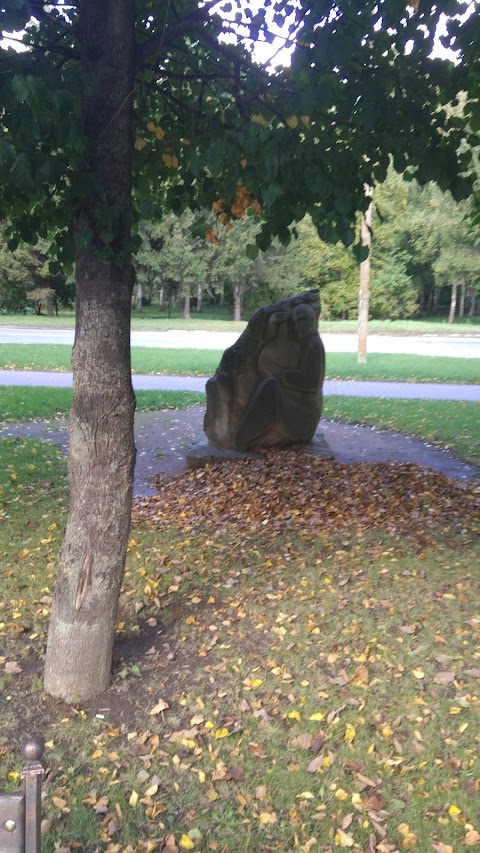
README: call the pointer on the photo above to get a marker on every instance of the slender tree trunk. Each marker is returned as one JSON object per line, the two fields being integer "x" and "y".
{"x": 186, "y": 315}
{"x": 199, "y": 298}
{"x": 237, "y": 302}
{"x": 473, "y": 304}
{"x": 139, "y": 299}
{"x": 453, "y": 304}
{"x": 463, "y": 291}
{"x": 364, "y": 286}
{"x": 161, "y": 296}
{"x": 102, "y": 452}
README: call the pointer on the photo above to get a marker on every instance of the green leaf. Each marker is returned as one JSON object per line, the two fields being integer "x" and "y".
{"x": 252, "y": 252}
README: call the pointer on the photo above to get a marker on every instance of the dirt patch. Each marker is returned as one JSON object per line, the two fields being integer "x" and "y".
{"x": 162, "y": 440}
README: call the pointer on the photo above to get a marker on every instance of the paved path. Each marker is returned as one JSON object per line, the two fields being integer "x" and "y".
{"x": 453, "y": 346}
{"x": 342, "y": 388}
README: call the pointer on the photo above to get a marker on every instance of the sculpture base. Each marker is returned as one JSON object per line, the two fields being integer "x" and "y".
{"x": 202, "y": 453}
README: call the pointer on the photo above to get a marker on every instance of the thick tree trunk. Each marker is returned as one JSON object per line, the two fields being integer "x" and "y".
{"x": 453, "y": 304}
{"x": 102, "y": 451}
{"x": 237, "y": 302}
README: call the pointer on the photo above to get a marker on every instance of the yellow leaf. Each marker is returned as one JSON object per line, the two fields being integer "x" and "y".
{"x": 220, "y": 733}
{"x": 294, "y": 715}
{"x": 257, "y": 118}
{"x": 209, "y": 725}
{"x": 305, "y": 121}
{"x": 264, "y": 818}
{"x": 340, "y": 794}
{"x": 317, "y": 716}
{"x": 97, "y": 753}
{"x": 356, "y": 800}
{"x": 418, "y": 673}
{"x": 305, "y": 795}
{"x": 350, "y": 733}
{"x": 186, "y": 843}
{"x": 140, "y": 143}
{"x": 453, "y": 811}
{"x": 292, "y": 122}
{"x": 212, "y": 794}
{"x": 159, "y": 133}
{"x": 151, "y": 126}
{"x": 133, "y": 799}
{"x": 343, "y": 839}
{"x": 386, "y": 731}
{"x": 151, "y": 791}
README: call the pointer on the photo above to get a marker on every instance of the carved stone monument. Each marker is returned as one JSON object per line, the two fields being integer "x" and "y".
{"x": 267, "y": 389}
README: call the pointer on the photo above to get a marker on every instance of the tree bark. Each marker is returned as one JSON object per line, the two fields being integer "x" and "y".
{"x": 463, "y": 291}
{"x": 186, "y": 308}
{"x": 139, "y": 299}
{"x": 237, "y": 302}
{"x": 453, "y": 304}
{"x": 102, "y": 452}
{"x": 199, "y": 298}
{"x": 364, "y": 284}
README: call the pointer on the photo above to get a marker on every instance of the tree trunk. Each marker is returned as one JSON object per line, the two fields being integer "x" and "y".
{"x": 161, "y": 296}
{"x": 453, "y": 304}
{"x": 237, "y": 302}
{"x": 102, "y": 452}
{"x": 364, "y": 285}
{"x": 463, "y": 291}
{"x": 50, "y": 306}
{"x": 186, "y": 308}
{"x": 139, "y": 299}
{"x": 199, "y": 298}
{"x": 473, "y": 303}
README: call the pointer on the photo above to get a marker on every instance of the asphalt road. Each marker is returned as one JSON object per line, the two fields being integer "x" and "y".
{"x": 433, "y": 345}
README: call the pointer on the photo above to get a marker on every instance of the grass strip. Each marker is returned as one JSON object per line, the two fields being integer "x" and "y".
{"x": 216, "y": 319}
{"x": 193, "y": 362}
{"x": 23, "y": 403}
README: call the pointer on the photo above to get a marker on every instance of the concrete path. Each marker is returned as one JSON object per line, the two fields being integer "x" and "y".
{"x": 398, "y": 390}
{"x": 453, "y": 346}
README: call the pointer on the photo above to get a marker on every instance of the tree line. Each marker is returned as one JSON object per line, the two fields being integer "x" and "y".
{"x": 425, "y": 261}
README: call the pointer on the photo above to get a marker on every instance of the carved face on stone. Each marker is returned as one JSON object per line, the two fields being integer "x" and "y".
{"x": 304, "y": 321}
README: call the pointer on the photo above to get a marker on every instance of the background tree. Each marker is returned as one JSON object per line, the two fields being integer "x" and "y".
{"x": 116, "y": 96}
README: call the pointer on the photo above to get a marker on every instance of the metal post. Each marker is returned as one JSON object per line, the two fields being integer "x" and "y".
{"x": 33, "y": 773}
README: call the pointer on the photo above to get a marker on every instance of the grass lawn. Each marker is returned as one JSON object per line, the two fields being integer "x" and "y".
{"x": 219, "y": 320}
{"x": 146, "y": 360}
{"x": 302, "y": 678}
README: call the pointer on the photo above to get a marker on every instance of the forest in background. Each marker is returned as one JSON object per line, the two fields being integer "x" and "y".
{"x": 425, "y": 262}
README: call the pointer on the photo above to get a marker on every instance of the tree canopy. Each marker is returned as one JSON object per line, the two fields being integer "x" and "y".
{"x": 117, "y": 109}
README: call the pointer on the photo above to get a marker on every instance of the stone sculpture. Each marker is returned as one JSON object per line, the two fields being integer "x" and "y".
{"x": 267, "y": 389}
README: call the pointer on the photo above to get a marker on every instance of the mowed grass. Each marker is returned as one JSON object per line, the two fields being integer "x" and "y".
{"x": 218, "y": 319}
{"x": 23, "y": 403}
{"x": 274, "y": 691}
{"x": 192, "y": 362}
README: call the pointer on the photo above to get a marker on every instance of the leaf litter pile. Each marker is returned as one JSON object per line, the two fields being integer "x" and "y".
{"x": 285, "y": 487}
